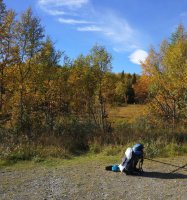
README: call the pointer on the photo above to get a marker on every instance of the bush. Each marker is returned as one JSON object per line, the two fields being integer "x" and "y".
{"x": 112, "y": 150}
{"x": 72, "y": 136}
{"x": 21, "y": 153}
{"x": 95, "y": 146}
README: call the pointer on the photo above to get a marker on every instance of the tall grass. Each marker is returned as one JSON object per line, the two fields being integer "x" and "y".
{"x": 73, "y": 137}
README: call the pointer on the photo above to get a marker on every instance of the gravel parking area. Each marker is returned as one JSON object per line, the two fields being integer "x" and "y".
{"x": 91, "y": 181}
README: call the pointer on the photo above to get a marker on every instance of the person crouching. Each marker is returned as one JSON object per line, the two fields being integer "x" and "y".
{"x": 133, "y": 160}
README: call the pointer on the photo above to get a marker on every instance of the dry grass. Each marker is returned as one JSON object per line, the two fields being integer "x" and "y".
{"x": 128, "y": 113}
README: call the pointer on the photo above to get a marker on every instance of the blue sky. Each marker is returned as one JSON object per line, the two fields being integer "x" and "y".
{"x": 127, "y": 28}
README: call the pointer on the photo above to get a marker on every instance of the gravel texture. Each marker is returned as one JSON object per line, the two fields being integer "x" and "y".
{"x": 91, "y": 181}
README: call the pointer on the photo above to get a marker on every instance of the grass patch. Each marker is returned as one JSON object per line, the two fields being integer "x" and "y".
{"x": 128, "y": 113}
{"x": 109, "y": 155}
{"x": 173, "y": 149}
{"x": 36, "y": 154}
{"x": 59, "y": 162}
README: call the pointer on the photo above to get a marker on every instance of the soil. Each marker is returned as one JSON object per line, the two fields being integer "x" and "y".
{"x": 91, "y": 181}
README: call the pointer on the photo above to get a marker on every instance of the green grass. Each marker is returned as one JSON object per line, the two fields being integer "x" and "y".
{"x": 108, "y": 155}
{"x": 59, "y": 162}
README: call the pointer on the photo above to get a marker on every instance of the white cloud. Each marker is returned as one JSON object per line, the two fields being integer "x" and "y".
{"x": 138, "y": 56}
{"x": 91, "y": 28}
{"x": 72, "y": 21}
{"x": 61, "y": 7}
{"x": 116, "y": 30}
{"x": 54, "y": 12}
{"x": 67, "y": 3}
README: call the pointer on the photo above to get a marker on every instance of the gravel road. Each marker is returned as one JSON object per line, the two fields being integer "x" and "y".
{"x": 90, "y": 181}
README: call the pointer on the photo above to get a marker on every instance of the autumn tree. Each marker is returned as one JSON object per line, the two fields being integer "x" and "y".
{"x": 125, "y": 88}
{"x": 7, "y": 48}
{"x": 84, "y": 85}
{"x": 110, "y": 83}
{"x": 28, "y": 39}
{"x": 141, "y": 89}
{"x": 45, "y": 88}
{"x": 101, "y": 64}
{"x": 167, "y": 74}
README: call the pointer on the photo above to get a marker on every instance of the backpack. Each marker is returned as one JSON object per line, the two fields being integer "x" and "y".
{"x": 128, "y": 153}
{"x": 132, "y": 157}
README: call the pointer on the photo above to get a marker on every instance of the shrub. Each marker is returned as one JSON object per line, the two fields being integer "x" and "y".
{"x": 21, "y": 153}
{"x": 112, "y": 150}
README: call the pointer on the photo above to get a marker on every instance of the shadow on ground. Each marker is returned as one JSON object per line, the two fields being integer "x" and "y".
{"x": 162, "y": 175}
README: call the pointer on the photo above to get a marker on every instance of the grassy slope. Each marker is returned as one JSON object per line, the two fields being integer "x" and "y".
{"x": 129, "y": 113}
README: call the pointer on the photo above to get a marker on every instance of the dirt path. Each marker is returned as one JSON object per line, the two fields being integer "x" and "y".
{"x": 91, "y": 181}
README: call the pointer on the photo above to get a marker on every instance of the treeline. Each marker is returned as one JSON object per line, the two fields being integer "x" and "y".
{"x": 48, "y": 99}
{"x": 41, "y": 96}
{"x": 35, "y": 87}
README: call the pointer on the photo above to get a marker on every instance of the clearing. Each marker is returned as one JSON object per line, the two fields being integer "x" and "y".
{"x": 128, "y": 113}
